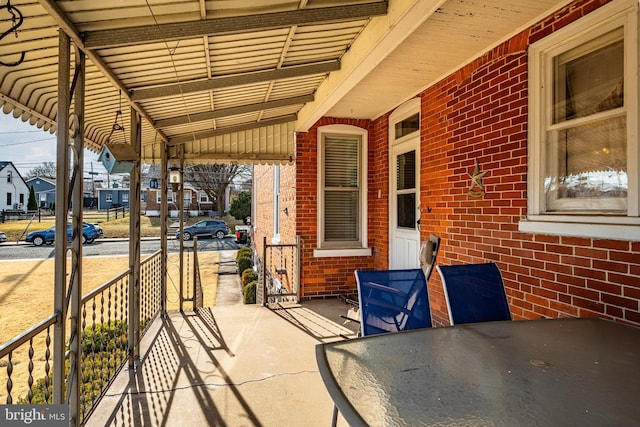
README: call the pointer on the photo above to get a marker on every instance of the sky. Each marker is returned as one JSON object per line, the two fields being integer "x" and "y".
{"x": 27, "y": 147}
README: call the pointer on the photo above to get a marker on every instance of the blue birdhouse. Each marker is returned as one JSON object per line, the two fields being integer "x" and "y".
{"x": 118, "y": 158}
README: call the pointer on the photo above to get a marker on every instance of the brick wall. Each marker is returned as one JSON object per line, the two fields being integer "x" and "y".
{"x": 479, "y": 114}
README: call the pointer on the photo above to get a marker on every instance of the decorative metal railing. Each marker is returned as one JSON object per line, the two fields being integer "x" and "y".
{"x": 14, "y": 354}
{"x": 197, "y": 282}
{"x": 104, "y": 342}
{"x": 151, "y": 289}
{"x": 279, "y": 272}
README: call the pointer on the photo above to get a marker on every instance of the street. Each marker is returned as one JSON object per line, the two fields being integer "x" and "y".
{"x": 110, "y": 247}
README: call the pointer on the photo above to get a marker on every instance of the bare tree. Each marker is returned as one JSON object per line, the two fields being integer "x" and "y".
{"x": 46, "y": 170}
{"x": 214, "y": 179}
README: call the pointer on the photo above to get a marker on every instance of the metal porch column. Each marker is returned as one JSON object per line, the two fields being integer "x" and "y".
{"x": 181, "y": 217}
{"x": 62, "y": 191}
{"x": 75, "y": 282}
{"x": 164, "y": 226}
{"x": 134, "y": 242}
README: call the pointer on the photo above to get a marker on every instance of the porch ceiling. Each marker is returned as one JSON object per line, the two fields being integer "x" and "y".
{"x": 231, "y": 80}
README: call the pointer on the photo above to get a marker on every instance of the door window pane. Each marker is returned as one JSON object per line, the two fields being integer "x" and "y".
{"x": 406, "y": 171}
{"x": 407, "y": 210}
{"x": 406, "y": 186}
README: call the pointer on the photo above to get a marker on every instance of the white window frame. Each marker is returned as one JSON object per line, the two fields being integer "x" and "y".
{"x": 125, "y": 197}
{"x": 613, "y": 15}
{"x": 359, "y": 248}
{"x": 203, "y": 197}
{"x": 108, "y": 197}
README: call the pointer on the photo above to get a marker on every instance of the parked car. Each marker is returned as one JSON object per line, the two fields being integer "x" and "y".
{"x": 38, "y": 238}
{"x": 242, "y": 234}
{"x": 205, "y": 228}
{"x": 3, "y": 237}
{"x": 97, "y": 227}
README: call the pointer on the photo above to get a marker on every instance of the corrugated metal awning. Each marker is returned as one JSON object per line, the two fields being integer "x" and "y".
{"x": 218, "y": 80}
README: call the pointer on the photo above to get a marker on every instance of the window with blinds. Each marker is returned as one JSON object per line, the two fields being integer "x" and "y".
{"x": 341, "y": 189}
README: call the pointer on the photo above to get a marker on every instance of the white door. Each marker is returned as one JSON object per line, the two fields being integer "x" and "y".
{"x": 404, "y": 195}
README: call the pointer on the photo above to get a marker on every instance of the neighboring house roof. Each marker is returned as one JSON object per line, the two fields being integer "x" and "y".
{"x": 4, "y": 164}
{"x": 42, "y": 178}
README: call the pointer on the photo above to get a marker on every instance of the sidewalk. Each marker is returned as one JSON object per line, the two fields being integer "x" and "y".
{"x": 229, "y": 365}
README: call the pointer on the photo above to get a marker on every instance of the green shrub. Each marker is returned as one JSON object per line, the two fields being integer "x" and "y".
{"x": 243, "y": 252}
{"x": 250, "y": 292}
{"x": 105, "y": 337}
{"x": 104, "y": 348}
{"x": 249, "y": 275}
{"x": 243, "y": 264}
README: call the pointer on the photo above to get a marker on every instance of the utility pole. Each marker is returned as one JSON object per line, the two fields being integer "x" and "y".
{"x": 93, "y": 185}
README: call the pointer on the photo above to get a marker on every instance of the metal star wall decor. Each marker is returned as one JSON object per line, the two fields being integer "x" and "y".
{"x": 477, "y": 185}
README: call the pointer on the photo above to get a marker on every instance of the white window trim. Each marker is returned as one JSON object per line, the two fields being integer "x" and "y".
{"x": 627, "y": 227}
{"x": 203, "y": 197}
{"x": 363, "y": 250}
{"x": 125, "y": 197}
{"x": 108, "y": 197}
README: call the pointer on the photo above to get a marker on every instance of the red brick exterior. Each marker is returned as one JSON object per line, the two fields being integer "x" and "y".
{"x": 477, "y": 113}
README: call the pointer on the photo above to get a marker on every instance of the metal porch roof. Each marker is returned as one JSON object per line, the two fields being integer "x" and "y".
{"x": 232, "y": 80}
{"x": 225, "y": 79}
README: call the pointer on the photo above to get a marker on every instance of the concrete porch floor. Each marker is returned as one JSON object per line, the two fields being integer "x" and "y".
{"x": 229, "y": 365}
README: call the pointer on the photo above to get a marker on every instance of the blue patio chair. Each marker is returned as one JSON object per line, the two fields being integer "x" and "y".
{"x": 474, "y": 293}
{"x": 427, "y": 257}
{"x": 392, "y": 300}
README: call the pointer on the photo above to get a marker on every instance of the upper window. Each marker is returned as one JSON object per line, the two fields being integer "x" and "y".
{"x": 204, "y": 198}
{"x": 342, "y": 190}
{"x": 9, "y": 176}
{"x": 583, "y": 129}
